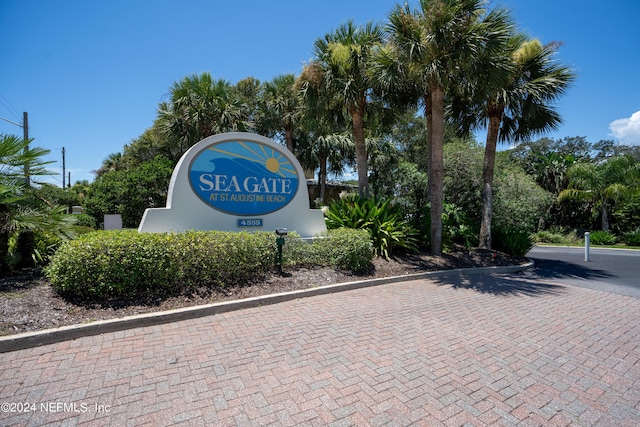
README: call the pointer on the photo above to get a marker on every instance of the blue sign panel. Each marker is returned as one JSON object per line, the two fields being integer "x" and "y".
{"x": 243, "y": 177}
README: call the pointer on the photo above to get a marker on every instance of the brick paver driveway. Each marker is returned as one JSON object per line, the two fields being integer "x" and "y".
{"x": 485, "y": 350}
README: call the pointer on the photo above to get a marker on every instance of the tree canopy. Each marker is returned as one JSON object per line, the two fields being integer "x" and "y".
{"x": 397, "y": 103}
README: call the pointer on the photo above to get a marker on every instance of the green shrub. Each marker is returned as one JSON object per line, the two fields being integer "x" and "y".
{"x": 109, "y": 264}
{"x": 518, "y": 202}
{"x": 46, "y": 244}
{"x": 457, "y": 227}
{"x": 114, "y": 264}
{"x": 346, "y": 248}
{"x": 384, "y": 221}
{"x": 602, "y": 238}
{"x": 632, "y": 238}
{"x": 217, "y": 258}
{"x": 557, "y": 235}
{"x": 84, "y": 220}
{"x": 546, "y": 236}
{"x": 513, "y": 241}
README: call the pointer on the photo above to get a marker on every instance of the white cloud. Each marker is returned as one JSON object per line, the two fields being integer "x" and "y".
{"x": 627, "y": 131}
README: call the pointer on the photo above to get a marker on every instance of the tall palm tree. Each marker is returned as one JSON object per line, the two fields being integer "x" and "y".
{"x": 343, "y": 59}
{"x": 438, "y": 43}
{"x": 599, "y": 183}
{"x": 325, "y": 142}
{"x": 199, "y": 107}
{"x": 517, "y": 105}
{"x": 280, "y": 108}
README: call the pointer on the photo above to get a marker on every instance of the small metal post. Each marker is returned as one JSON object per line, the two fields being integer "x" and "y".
{"x": 280, "y": 243}
{"x": 280, "y": 233}
{"x": 587, "y": 243}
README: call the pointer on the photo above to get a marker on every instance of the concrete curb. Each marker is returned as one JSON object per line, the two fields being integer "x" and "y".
{"x": 65, "y": 333}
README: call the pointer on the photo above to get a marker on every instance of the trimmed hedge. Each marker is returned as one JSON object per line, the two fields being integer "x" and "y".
{"x": 344, "y": 248}
{"x": 116, "y": 264}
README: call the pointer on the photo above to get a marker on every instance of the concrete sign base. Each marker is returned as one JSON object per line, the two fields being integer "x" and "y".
{"x": 234, "y": 182}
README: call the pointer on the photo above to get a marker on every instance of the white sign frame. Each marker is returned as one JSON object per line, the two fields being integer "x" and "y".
{"x": 186, "y": 210}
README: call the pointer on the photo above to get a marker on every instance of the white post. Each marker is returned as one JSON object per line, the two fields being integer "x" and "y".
{"x": 587, "y": 242}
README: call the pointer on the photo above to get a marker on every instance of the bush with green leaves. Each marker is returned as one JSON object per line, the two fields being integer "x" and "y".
{"x": 557, "y": 235}
{"x": 383, "y": 220}
{"x": 626, "y": 217}
{"x": 599, "y": 237}
{"x": 457, "y": 227}
{"x": 84, "y": 220}
{"x": 513, "y": 241}
{"x": 106, "y": 265}
{"x": 110, "y": 264}
{"x": 129, "y": 192}
{"x": 547, "y": 236}
{"x": 632, "y": 238}
{"x": 345, "y": 248}
{"x": 519, "y": 202}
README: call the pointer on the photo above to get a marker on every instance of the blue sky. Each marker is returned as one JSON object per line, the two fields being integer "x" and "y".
{"x": 91, "y": 73}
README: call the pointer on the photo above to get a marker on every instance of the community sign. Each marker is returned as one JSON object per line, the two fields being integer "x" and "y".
{"x": 233, "y": 182}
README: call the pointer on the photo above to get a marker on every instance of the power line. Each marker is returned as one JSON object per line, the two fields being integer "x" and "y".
{"x": 9, "y": 107}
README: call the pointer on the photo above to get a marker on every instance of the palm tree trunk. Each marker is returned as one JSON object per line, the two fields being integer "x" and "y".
{"x": 605, "y": 216}
{"x": 288, "y": 136}
{"x": 428, "y": 115}
{"x": 357, "y": 118}
{"x": 322, "y": 178}
{"x": 437, "y": 166}
{"x": 495, "y": 117}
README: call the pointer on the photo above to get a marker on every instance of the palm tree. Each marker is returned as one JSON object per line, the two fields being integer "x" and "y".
{"x": 551, "y": 170}
{"x": 246, "y": 95}
{"x": 280, "y": 108}
{"x": 325, "y": 142}
{"x": 199, "y": 107}
{"x": 598, "y": 183}
{"x": 519, "y": 108}
{"x": 21, "y": 213}
{"x": 113, "y": 162}
{"x": 435, "y": 45}
{"x": 342, "y": 69}
{"x": 330, "y": 151}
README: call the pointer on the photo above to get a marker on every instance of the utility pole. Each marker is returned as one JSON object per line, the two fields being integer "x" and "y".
{"x": 25, "y": 131}
{"x": 63, "y": 170}
{"x": 25, "y": 135}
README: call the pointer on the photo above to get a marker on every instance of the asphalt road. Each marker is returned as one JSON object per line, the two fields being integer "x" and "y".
{"x": 611, "y": 270}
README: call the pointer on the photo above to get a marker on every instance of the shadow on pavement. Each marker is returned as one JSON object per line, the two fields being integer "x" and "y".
{"x": 500, "y": 285}
{"x": 556, "y": 269}
{"x": 529, "y": 282}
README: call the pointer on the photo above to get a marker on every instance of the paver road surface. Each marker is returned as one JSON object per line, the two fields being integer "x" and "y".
{"x": 480, "y": 350}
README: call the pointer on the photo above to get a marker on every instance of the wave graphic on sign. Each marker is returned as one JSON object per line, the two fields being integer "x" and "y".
{"x": 272, "y": 160}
